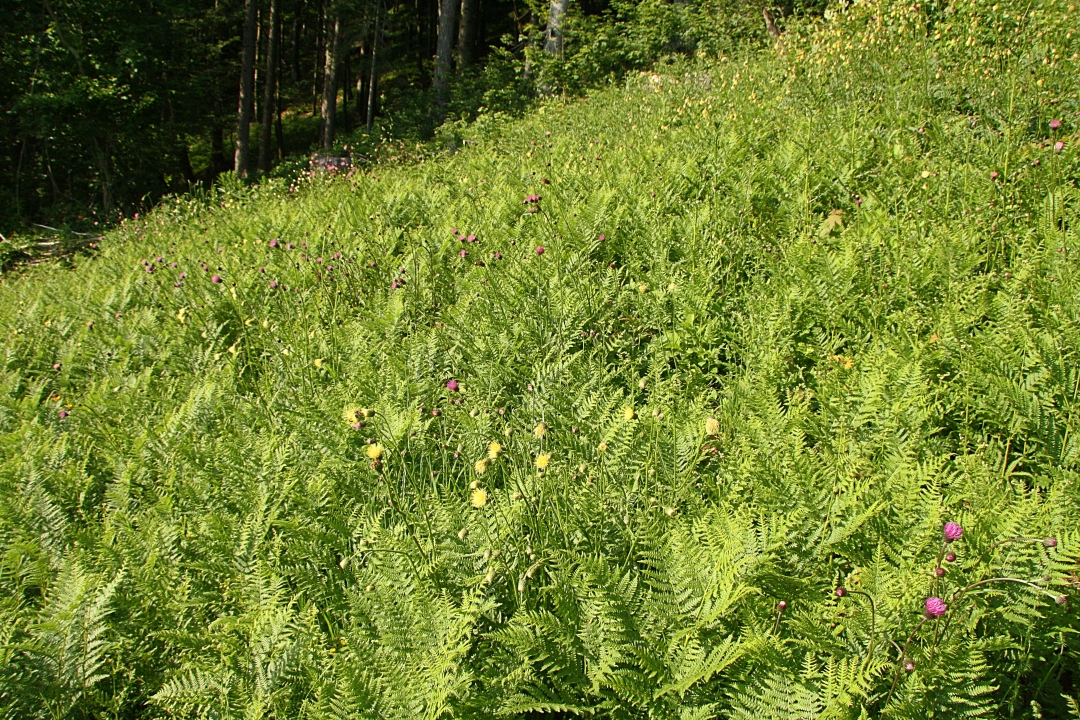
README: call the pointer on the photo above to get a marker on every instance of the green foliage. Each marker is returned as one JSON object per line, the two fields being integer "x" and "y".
{"x": 785, "y": 325}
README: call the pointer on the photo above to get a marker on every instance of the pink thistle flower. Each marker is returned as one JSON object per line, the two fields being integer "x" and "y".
{"x": 939, "y": 572}
{"x": 453, "y": 231}
{"x": 782, "y": 605}
{"x": 463, "y": 253}
{"x": 909, "y": 665}
{"x": 603, "y": 238}
{"x": 952, "y": 531}
{"x": 994, "y": 175}
{"x": 63, "y": 414}
{"x": 274, "y": 243}
{"x": 1055, "y": 124}
{"x": 452, "y": 385}
{"x": 318, "y": 260}
{"x": 289, "y": 246}
{"x": 273, "y": 284}
{"x": 215, "y": 279}
{"x": 840, "y": 592}
{"x": 539, "y": 249}
{"x": 471, "y": 238}
{"x": 935, "y": 607}
{"x": 337, "y": 256}
{"x": 1050, "y": 542}
{"x": 950, "y": 557}
{"x": 1059, "y": 146}
{"x": 183, "y": 275}
{"x": 498, "y": 256}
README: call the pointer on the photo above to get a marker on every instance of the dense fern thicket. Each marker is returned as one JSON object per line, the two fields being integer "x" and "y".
{"x": 654, "y": 405}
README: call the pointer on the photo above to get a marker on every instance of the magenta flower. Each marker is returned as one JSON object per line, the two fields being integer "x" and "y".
{"x": 463, "y": 253}
{"x": 950, "y": 557}
{"x": 539, "y": 249}
{"x": 935, "y": 607}
{"x": 452, "y": 385}
{"x": 531, "y": 199}
{"x": 994, "y": 175}
{"x": 1055, "y": 124}
{"x": 939, "y": 572}
{"x": 840, "y": 592}
{"x": 215, "y": 279}
{"x": 471, "y": 238}
{"x": 453, "y": 231}
{"x": 274, "y": 243}
{"x": 1059, "y": 146}
{"x": 337, "y": 256}
{"x": 63, "y": 414}
{"x": 782, "y": 605}
{"x": 273, "y": 284}
{"x": 952, "y": 531}
{"x": 602, "y": 238}
{"x": 183, "y": 275}
{"x": 498, "y": 256}
{"x": 318, "y": 259}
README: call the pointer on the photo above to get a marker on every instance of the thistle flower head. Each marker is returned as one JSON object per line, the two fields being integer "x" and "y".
{"x": 1050, "y": 542}
{"x": 1059, "y": 146}
{"x": 1055, "y": 124}
{"x": 935, "y": 607}
{"x": 542, "y": 461}
{"x": 351, "y": 415}
{"x": 541, "y": 430}
{"x": 494, "y": 449}
{"x": 481, "y": 466}
{"x": 712, "y": 426}
{"x": 628, "y": 413}
{"x": 374, "y": 451}
{"x": 539, "y": 249}
{"x": 952, "y": 531}
{"x": 452, "y": 385}
{"x": 215, "y": 279}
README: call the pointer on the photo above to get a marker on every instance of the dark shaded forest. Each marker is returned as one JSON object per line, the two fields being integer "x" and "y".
{"x": 110, "y": 105}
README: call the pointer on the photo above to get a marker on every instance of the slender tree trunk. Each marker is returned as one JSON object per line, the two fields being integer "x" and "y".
{"x": 443, "y": 48}
{"x": 553, "y": 36}
{"x": 329, "y": 94}
{"x": 372, "y": 84}
{"x": 269, "y": 87}
{"x": 466, "y": 38}
{"x": 241, "y": 161}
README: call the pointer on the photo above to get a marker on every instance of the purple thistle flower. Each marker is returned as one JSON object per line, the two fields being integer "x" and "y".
{"x": 994, "y": 175}
{"x": 337, "y": 256}
{"x": 603, "y": 238}
{"x": 463, "y": 253}
{"x": 935, "y": 607}
{"x": 273, "y": 284}
{"x": 1055, "y": 124}
{"x": 1059, "y": 146}
{"x": 1050, "y": 542}
{"x": 274, "y": 243}
{"x": 539, "y": 249}
{"x": 183, "y": 275}
{"x": 318, "y": 260}
{"x": 471, "y": 238}
{"x": 394, "y": 285}
{"x": 215, "y": 279}
{"x": 172, "y": 265}
{"x": 63, "y": 414}
{"x": 909, "y": 665}
{"x": 453, "y": 231}
{"x": 952, "y": 531}
{"x": 452, "y": 385}
{"x": 262, "y": 270}
{"x": 159, "y": 259}
{"x": 498, "y": 256}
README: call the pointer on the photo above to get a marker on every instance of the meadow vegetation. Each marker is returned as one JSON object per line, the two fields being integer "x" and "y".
{"x": 748, "y": 388}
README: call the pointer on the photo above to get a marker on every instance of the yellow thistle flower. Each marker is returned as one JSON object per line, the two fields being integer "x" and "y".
{"x": 643, "y": 288}
{"x": 712, "y": 426}
{"x": 374, "y": 451}
{"x": 494, "y": 450}
{"x": 541, "y": 430}
{"x": 628, "y": 413}
{"x": 542, "y": 460}
{"x": 318, "y": 363}
{"x": 351, "y": 415}
{"x": 602, "y": 447}
{"x": 478, "y": 498}
{"x": 481, "y": 466}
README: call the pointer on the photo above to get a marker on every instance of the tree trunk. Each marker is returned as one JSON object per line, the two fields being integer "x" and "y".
{"x": 466, "y": 38}
{"x": 553, "y": 36}
{"x": 329, "y": 94}
{"x": 269, "y": 87}
{"x": 443, "y": 48}
{"x": 247, "y": 92}
{"x": 373, "y": 78}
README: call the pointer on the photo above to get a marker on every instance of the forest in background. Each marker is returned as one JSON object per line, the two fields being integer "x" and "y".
{"x": 107, "y": 106}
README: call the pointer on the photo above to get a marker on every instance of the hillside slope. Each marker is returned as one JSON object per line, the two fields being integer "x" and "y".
{"x": 591, "y": 418}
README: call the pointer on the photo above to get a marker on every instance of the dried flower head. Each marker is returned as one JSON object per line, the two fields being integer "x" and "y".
{"x": 540, "y": 430}
{"x": 602, "y": 447}
{"x": 712, "y": 426}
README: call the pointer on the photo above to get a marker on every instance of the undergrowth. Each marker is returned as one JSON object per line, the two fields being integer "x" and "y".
{"x": 654, "y": 404}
